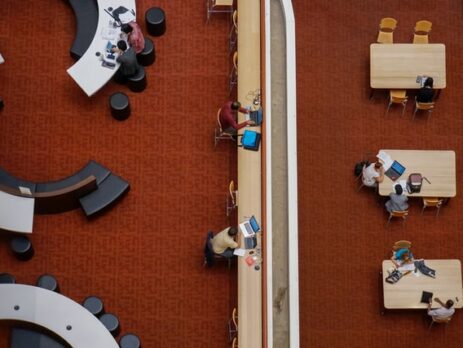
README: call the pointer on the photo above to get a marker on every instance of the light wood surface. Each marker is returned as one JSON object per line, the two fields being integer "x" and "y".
{"x": 87, "y": 72}
{"x": 437, "y": 166}
{"x": 16, "y": 213}
{"x": 396, "y": 66}
{"x": 249, "y": 175}
{"x": 406, "y": 293}
{"x": 57, "y": 313}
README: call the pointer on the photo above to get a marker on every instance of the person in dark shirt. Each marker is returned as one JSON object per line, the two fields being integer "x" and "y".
{"x": 127, "y": 58}
{"x": 426, "y": 93}
{"x": 228, "y": 117}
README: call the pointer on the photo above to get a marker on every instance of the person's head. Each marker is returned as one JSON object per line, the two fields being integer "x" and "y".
{"x": 405, "y": 256}
{"x": 429, "y": 82}
{"x": 378, "y": 165}
{"x": 126, "y": 28}
{"x": 232, "y": 231}
{"x": 398, "y": 189}
{"x": 122, "y": 45}
{"x": 448, "y": 304}
{"x": 235, "y": 105}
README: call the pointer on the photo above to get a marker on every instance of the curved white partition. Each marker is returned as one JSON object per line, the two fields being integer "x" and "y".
{"x": 16, "y": 213}
{"x": 88, "y": 72}
{"x": 57, "y": 313}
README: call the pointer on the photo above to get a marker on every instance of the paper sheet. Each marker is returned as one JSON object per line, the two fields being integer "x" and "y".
{"x": 385, "y": 158}
{"x": 239, "y": 252}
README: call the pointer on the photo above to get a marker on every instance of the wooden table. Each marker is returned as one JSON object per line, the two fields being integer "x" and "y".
{"x": 249, "y": 175}
{"x": 57, "y": 313}
{"x": 396, "y": 66}
{"x": 406, "y": 293}
{"x": 437, "y": 166}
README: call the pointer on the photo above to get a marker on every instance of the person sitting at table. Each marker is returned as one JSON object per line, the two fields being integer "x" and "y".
{"x": 132, "y": 32}
{"x": 401, "y": 257}
{"x": 373, "y": 174}
{"x": 229, "y": 115}
{"x": 426, "y": 93}
{"x": 397, "y": 201}
{"x": 224, "y": 243}
{"x": 444, "y": 312}
{"x": 127, "y": 58}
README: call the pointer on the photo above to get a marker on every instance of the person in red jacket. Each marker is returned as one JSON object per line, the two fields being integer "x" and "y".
{"x": 229, "y": 115}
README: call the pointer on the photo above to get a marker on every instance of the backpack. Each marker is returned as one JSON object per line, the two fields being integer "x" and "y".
{"x": 250, "y": 140}
{"x": 414, "y": 183}
{"x": 358, "y": 168}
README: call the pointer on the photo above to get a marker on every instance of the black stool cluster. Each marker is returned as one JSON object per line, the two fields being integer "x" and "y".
{"x": 155, "y": 18}
{"x": 49, "y": 282}
{"x": 7, "y": 278}
{"x": 120, "y": 106}
{"x": 148, "y": 55}
{"x": 130, "y": 341}
{"x": 22, "y": 248}
{"x": 137, "y": 82}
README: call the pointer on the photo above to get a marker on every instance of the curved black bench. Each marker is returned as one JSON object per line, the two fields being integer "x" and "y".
{"x": 86, "y": 13}
{"x": 108, "y": 193}
{"x": 28, "y": 338}
{"x": 13, "y": 182}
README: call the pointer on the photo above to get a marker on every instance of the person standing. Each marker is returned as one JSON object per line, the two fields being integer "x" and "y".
{"x": 229, "y": 115}
{"x": 224, "y": 243}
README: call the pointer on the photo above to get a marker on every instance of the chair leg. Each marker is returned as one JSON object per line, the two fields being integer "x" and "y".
{"x": 430, "y": 325}
{"x": 422, "y": 210}
{"x": 388, "y": 220}
{"x": 414, "y": 113}
{"x": 438, "y": 210}
{"x": 429, "y": 114}
{"x": 388, "y": 107}
{"x": 403, "y": 109}
{"x": 360, "y": 187}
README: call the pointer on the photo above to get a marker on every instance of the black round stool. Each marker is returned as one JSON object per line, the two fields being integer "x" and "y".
{"x": 6, "y": 278}
{"x": 49, "y": 282}
{"x": 111, "y": 322}
{"x": 130, "y": 341}
{"x": 120, "y": 106}
{"x": 94, "y": 305}
{"x": 148, "y": 55}
{"x": 137, "y": 82}
{"x": 155, "y": 19}
{"x": 22, "y": 248}
{"x": 2, "y": 104}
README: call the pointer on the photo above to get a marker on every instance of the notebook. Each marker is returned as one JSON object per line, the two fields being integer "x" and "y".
{"x": 426, "y": 296}
{"x": 395, "y": 171}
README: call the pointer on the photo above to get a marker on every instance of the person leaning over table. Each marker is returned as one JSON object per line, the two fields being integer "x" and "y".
{"x": 444, "y": 312}
{"x": 401, "y": 257}
{"x": 373, "y": 174}
{"x": 426, "y": 93}
{"x": 134, "y": 36}
{"x": 224, "y": 243}
{"x": 127, "y": 58}
{"x": 397, "y": 201}
{"x": 229, "y": 115}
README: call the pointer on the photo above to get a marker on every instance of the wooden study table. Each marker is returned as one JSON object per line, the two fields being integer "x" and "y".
{"x": 406, "y": 293}
{"x": 437, "y": 166}
{"x": 396, "y": 66}
{"x": 249, "y": 176}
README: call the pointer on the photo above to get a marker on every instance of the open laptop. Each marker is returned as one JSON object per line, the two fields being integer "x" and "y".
{"x": 395, "y": 171}
{"x": 249, "y": 229}
{"x": 255, "y": 116}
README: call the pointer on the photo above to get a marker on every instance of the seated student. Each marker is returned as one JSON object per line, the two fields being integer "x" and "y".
{"x": 373, "y": 174}
{"x": 446, "y": 311}
{"x": 127, "y": 58}
{"x": 401, "y": 257}
{"x": 426, "y": 93}
{"x": 224, "y": 243}
{"x": 228, "y": 116}
{"x": 132, "y": 32}
{"x": 397, "y": 201}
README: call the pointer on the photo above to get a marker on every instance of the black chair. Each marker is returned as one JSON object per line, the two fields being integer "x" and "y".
{"x": 49, "y": 282}
{"x": 148, "y": 55}
{"x": 209, "y": 255}
{"x": 137, "y": 82}
{"x": 130, "y": 341}
{"x": 111, "y": 322}
{"x": 120, "y": 106}
{"x": 155, "y": 19}
{"x": 22, "y": 248}
{"x": 94, "y": 305}
{"x": 6, "y": 278}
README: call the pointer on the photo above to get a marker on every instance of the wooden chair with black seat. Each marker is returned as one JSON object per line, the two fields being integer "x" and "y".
{"x": 218, "y": 6}
{"x": 386, "y": 30}
{"x": 233, "y": 325}
{"x": 232, "y": 196}
{"x": 233, "y": 78}
{"x": 397, "y": 214}
{"x": 210, "y": 256}
{"x": 219, "y": 133}
{"x": 401, "y": 244}
{"x": 397, "y": 96}
{"x": 235, "y": 343}
{"x": 233, "y": 36}
{"x": 423, "y": 107}
{"x": 432, "y": 202}
{"x": 421, "y": 33}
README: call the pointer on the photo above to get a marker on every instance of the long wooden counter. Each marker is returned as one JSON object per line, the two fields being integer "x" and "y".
{"x": 249, "y": 175}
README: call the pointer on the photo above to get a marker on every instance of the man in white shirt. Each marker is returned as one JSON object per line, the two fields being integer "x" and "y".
{"x": 373, "y": 174}
{"x": 445, "y": 312}
{"x": 224, "y": 243}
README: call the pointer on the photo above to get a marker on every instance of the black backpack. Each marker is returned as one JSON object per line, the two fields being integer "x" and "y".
{"x": 359, "y": 167}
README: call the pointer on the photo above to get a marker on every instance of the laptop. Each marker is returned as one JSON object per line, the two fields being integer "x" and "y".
{"x": 250, "y": 242}
{"x": 255, "y": 116}
{"x": 249, "y": 227}
{"x": 395, "y": 171}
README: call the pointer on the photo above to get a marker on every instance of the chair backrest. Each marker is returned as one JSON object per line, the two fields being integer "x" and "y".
{"x": 423, "y": 27}
{"x": 235, "y": 317}
{"x": 442, "y": 320}
{"x": 232, "y": 192}
{"x": 235, "y": 342}
{"x": 401, "y": 244}
{"x": 399, "y": 213}
{"x": 432, "y": 201}
{"x": 425, "y": 106}
{"x": 387, "y": 24}
{"x": 399, "y": 100}
{"x": 218, "y": 119}
{"x": 235, "y": 19}
{"x": 235, "y": 60}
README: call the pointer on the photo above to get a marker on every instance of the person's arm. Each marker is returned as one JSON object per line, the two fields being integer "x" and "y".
{"x": 244, "y": 111}
{"x": 231, "y": 121}
{"x": 439, "y": 302}
{"x": 380, "y": 178}
{"x": 429, "y": 306}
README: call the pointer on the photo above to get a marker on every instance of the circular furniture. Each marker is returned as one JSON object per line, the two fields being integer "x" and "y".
{"x": 6, "y": 278}
{"x": 49, "y": 282}
{"x": 148, "y": 55}
{"x": 120, "y": 106}
{"x": 94, "y": 305}
{"x": 111, "y": 322}
{"x": 137, "y": 82}
{"x": 130, "y": 341}
{"x": 155, "y": 21}
{"x": 22, "y": 248}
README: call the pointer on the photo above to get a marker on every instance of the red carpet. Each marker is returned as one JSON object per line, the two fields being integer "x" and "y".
{"x": 144, "y": 257}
